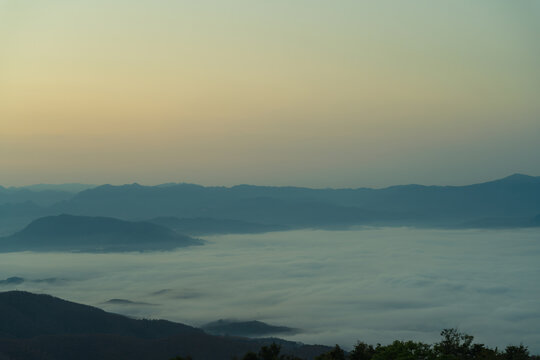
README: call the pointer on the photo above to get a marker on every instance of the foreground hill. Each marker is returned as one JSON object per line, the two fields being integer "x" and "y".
{"x": 41, "y": 327}
{"x": 517, "y": 196}
{"x": 26, "y": 315}
{"x": 83, "y": 233}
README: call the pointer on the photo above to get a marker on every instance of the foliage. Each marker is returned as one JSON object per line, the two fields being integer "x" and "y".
{"x": 403, "y": 350}
{"x": 454, "y": 345}
{"x": 516, "y": 353}
{"x": 271, "y": 352}
{"x": 335, "y": 354}
{"x": 362, "y": 351}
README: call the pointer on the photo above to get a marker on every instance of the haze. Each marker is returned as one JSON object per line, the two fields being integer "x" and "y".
{"x": 376, "y": 285}
{"x": 307, "y": 93}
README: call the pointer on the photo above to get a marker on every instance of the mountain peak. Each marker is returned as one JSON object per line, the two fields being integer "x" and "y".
{"x": 520, "y": 178}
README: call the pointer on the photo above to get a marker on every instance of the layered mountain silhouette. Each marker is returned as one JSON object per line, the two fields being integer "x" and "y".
{"x": 43, "y": 196}
{"x": 513, "y": 201}
{"x": 15, "y": 216}
{"x": 84, "y": 233}
{"x": 514, "y": 196}
{"x": 42, "y": 327}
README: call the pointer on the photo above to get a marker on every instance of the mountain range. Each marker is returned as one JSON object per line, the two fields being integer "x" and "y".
{"x": 513, "y": 201}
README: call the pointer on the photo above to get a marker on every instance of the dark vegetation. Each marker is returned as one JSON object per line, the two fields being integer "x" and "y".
{"x": 26, "y": 315}
{"x": 42, "y": 327}
{"x": 454, "y": 345}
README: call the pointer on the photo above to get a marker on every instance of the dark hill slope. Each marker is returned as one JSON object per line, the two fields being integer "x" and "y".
{"x": 25, "y": 315}
{"x": 42, "y": 327}
{"x": 83, "y": 233}
{"x": 113, "y": 347}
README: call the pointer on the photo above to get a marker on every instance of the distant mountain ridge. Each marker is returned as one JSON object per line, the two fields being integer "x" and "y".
{"x": 84, "y": 233}
{"x": 14, "y": 216}
{"x": 43, "y": 197}
{"x": 206, "y": 210}
{"x": 67, "y": 187}
{"x": 514, "y": 196}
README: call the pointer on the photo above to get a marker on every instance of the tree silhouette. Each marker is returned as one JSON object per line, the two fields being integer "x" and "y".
{"x": 362, "y": 351}
{"x": 270, "y": 352}
{"x": 516, "y": 352}
{"x": 404, "y": 350}
{"x": 454, "y": 345}
{"x": 335, "y": 354}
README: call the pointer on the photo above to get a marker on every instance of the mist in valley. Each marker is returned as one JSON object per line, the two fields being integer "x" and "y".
{"x": 370, "y": 284}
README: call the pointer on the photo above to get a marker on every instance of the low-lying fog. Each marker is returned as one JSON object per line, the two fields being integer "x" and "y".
{"x": 376, "y": 285}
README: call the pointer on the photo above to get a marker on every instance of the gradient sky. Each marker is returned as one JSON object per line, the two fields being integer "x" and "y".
{"x": 310, "y": 93}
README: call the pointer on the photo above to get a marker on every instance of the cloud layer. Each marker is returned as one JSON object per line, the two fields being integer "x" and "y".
{"x": 375, "y": 285}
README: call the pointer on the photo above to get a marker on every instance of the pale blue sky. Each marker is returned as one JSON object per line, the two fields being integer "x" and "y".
{"x": 310, "y": 93}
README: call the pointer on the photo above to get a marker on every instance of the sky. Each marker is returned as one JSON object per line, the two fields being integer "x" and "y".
{"x": 307, "y": 93}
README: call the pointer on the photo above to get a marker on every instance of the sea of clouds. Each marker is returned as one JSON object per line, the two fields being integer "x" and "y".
{"x": 374, "y": 285}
